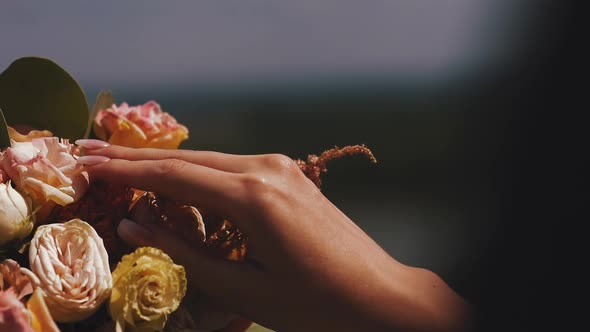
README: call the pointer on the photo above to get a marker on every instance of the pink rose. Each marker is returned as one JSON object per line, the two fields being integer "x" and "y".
{"x": 14, "y": 316}
{"x": 3, "y": 176}
{"x": 46, "y": 170}
{"x": 139, "y": 126}
{"x": 11, "y": 277}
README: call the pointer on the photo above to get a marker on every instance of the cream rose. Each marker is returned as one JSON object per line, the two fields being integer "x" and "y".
{"x": 70, "y": 264}
{"x": 147, "y": 288}
{"x": 46, "y": 170}
{"x": 16, "y": 219}
{"x": 144, "y": 126}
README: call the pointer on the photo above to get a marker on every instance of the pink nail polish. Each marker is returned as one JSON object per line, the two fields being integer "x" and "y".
{"x": 92, "y": 160}
{"x": 92, "y": 143}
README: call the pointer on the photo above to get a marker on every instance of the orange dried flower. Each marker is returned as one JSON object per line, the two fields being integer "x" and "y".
{"x": 315, "y": 166}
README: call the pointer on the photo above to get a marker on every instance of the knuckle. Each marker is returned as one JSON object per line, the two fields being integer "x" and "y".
{"x": 254, "y": 183}
{"x": 281, "y": 163}
{"x": 170, "y": 167}
{"x": 258, "y": 189}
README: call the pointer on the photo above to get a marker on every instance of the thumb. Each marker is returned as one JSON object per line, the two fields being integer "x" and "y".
{"x": 224, "y": 281}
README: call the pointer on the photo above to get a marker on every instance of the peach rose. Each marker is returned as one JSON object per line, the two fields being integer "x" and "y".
{"x": 46, "y": 170}
{"x": 26, "y": 133}
{"x": 70, "y": 264}
{"x": 11, "y": 277}
{"x": 144, "y": 126}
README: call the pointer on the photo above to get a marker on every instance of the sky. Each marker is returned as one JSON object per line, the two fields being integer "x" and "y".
{"x": 123, "y": 43}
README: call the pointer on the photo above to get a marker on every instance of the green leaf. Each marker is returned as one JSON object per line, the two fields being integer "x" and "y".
{"x": 37, "y": 92}
{"x": 103, "y": 100}
{"x": 4, "y": 137}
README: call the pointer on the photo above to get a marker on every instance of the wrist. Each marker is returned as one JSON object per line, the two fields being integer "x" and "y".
{"x": 422, "y": 301}
{"x": 400, "y": 297}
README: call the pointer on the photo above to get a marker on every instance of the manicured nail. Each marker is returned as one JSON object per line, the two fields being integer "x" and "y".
{"x": 92, "y": 160}
{"x": 92, "y": 144}
{"x": 135, "y": 234}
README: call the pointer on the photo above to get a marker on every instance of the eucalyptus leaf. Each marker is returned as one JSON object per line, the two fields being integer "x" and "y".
{"x": 38, "y": 92}
{"x": 4, "y": 137}
{"x": 103, "y": 100}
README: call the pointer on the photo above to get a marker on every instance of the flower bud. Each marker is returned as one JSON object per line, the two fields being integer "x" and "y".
{"x": 15, "y": 215}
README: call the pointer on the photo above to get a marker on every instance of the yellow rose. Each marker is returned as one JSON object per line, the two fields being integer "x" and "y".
{"x": 41, "y": 320}
{"x": 147, "y": 288}
{"x": 28, "y": 133}
{"x": 144, "y": 126}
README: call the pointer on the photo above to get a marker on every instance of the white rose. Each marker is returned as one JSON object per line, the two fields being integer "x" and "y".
{"x": 70, "y": 264}
{"x": 15, "y": 215}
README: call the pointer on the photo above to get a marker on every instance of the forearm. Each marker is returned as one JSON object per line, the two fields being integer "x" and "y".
{"x": 392, "y": 297}
{"x": 419, "y": 300}
{"x": 387, "y": 298}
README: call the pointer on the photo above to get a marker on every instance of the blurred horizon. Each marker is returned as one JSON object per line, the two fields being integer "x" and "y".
{"x": 208, "y": 46}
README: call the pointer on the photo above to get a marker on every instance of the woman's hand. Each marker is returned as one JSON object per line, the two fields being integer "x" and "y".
{"x": 314, "y": 268}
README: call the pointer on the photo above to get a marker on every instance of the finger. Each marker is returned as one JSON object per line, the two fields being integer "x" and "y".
{"x": 221, "y": 161}
{"x": 177, "y": 180}
{"x": 220, "y": 279}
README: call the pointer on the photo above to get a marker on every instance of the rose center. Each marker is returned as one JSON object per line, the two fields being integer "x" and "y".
{"x": 74, "y": 271}
{"x": 152, "y": 294}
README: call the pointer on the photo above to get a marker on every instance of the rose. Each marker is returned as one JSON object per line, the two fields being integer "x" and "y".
{"x": 3, "y": 176}
{"x": 70, "y": 264}
{"x": 46, "y": 170}
{"x": 14, "y": 316}
{"x": 15, "y": 215}
{"x": 11, "y": 277}
{"x": 17, "y": 133}
{"x": 139, "y": 126}
{"x": 41, "y": 319}
{"x": 147, "y": 288}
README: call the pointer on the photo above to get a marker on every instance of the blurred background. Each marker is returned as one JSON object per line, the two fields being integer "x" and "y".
{"x": 435, "y": 88}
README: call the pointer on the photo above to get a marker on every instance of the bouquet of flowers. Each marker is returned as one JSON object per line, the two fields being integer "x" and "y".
{"x": 62, "y": 265}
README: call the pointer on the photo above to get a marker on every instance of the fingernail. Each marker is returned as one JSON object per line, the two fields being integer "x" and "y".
{"x": 92, "y": 160}
{"x": 92, "y": 144}
{"x": 135, "y": 234}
